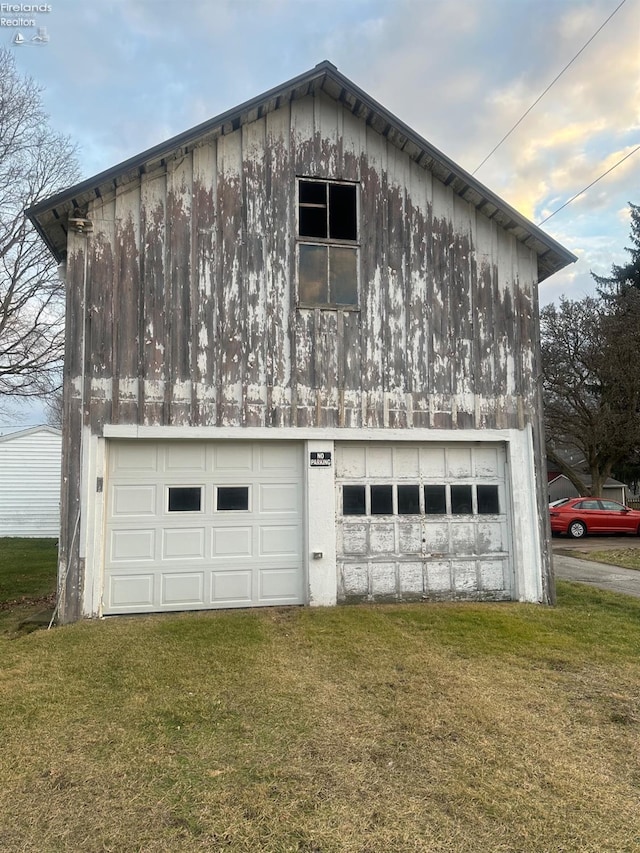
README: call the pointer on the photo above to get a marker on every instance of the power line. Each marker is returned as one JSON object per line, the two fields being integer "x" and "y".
{"x": 524, "y": 115}
{"x": 604, "y": 174}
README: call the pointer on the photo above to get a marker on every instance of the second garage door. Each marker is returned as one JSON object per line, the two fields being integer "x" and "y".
{"x": 195, "y": 525}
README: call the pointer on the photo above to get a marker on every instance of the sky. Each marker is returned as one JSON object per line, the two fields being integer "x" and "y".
{"x": 120, "y": 76}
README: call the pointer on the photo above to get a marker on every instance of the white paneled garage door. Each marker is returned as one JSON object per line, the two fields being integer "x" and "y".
{"x": 423, "y": 521}
{"x": 195, "y": 525}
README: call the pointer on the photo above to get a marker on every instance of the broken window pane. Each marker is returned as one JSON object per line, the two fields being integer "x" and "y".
{"x": 353, "y": 500}
{"x": 488, "y": 503}
{"x": 313, "y": 283}
{"x": 342, "y": 212}
{"x": 381, "y": 500}
{"x": 343, "y": 276}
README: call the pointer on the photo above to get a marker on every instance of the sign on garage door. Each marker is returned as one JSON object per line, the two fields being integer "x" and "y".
{"x": 193, "y": 525}
{"x": 422, "y": 521}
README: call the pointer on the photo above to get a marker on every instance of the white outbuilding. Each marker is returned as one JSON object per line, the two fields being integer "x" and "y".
{"x": 30, "y": 461}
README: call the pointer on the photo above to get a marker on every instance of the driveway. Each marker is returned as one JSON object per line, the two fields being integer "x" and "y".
{"x": 601, "y": 575}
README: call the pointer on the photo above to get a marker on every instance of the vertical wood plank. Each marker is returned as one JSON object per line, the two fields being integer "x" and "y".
{"x": 126, "y": 303}
{"x": 203, "y": 286}
{"x": 154, "y": 325}
{"x": 231, "y": 319}
{"x": 280, "y": 307}
{"x": 179, "y": 195}
{"x": 255, "y": 284}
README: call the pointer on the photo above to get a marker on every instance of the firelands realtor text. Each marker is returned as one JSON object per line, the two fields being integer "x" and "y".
{"x": 21, "y": 8}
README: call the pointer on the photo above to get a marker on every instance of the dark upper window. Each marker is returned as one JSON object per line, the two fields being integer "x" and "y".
{"x": 327, "y": 232}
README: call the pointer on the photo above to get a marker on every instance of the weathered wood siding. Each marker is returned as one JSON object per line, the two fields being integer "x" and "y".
{"x": 191, "y": 292}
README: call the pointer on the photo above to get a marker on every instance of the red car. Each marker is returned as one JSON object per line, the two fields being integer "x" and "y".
{"x": 579, "y": 516}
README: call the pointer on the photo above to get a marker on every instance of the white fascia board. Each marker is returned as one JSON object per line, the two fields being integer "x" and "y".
{"x": 164, "y": 433}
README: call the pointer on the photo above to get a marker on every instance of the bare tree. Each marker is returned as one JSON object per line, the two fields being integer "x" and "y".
{"x": 35, "y": 162}
{"x": 591, "y": 385}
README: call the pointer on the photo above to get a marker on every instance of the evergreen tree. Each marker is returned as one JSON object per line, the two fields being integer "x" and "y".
{"x": 627, "y": 276}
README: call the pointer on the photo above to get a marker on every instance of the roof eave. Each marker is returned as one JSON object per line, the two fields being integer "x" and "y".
{"x": 552, "y": 256}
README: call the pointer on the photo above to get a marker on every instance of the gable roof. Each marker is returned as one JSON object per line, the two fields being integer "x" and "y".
{"x": 22, "y": 432}
{"x": 552, "y": 476}
{"x": 50, "y": 215}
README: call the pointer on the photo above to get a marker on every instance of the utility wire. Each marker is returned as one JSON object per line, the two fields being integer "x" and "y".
{"x": 522, "y": 117}
{"x": 573, "y": 198}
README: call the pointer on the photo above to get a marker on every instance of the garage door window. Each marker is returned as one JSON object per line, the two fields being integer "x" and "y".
{"x": 488, "y": 503}
{"x": 435, "y": 500}
{"x": 405, "y": 499}
{"x": 353, "y": 500}
{"x": 461, "y": 500}
{"x": 185, "y": 498}
{"x": 408, "y": 500}
{"x": 232, "y": 498}
{"x": 381, "y": 500}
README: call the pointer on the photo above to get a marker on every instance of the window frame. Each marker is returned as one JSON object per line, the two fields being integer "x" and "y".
{"x": 327, "y": 242}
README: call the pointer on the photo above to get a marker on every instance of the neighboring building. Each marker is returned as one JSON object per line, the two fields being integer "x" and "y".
{"x": 302, "y": 368}
{"x": 560, "y": 486}
{"x": 30, "y": 461}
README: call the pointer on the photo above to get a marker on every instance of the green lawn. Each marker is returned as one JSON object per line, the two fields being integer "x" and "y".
{"x": 27, "y": 580}
{"x": 376, "y": 729}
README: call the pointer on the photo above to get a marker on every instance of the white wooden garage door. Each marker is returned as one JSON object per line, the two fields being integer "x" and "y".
{"x": 195, "y": 525}
{"x": 423, "y": 521}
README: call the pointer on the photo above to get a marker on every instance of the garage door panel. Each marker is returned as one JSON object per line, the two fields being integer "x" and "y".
{"x": 279, "y": 585}
{"x": 218, "y": 554}
{"x": 463, "y": 537}
{"x": 492, "y": 537}
{"x": 182, "y": 589}
{"x": 279, "y": 498}
{"x": 134, "y": 457}
{"x": 130, "y": 591}
{"x": 233, "y": 458}
{"x": 181, "y": 457}
{"x": 134, "y": 500}
{"x": 459, "y": 463}
{"x": 438, "y": 576}
{"x": 279, "y": 540}
{"x": 277, "y": 460}
{"x": 436, "y": 537}
{"x": 232, "y": 541}
{"x": 231, "y": 587}
{"x": 465, "y": 575}
{"x": 132, "y": 545}
{"x": 487, "y": 463}
{"x": 492, "y": 574}
{"x": 183, "y": 543}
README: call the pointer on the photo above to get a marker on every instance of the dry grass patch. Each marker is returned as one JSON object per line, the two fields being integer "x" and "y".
{"x": 369, "y": 729}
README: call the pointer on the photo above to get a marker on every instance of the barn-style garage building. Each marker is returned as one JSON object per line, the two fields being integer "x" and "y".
{"x": 302, "y": 361}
